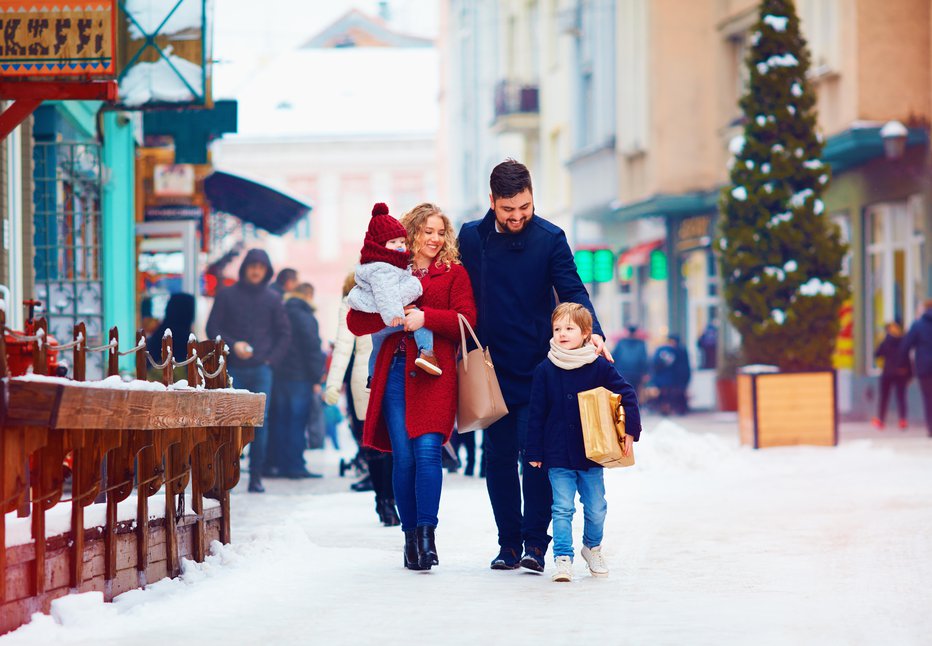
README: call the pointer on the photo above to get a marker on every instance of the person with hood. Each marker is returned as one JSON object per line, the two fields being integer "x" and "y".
{"x": 179, "y": 317}
{"x": 519, "y": 264}
{"x": 297, "y": 383}
{"x": 919, "y": 338}
{"x": 896, "y": 374}
{"x": 251, "y": 320}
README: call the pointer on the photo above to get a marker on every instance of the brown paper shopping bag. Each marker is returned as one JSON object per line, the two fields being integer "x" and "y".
{"x": 603, "y": 427}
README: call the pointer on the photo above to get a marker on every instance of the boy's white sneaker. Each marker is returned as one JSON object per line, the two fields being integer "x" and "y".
{"x": 564, "y": 567}
{"x": 595, "y": 560}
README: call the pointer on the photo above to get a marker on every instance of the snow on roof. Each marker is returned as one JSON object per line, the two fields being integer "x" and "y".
{"x": 149, "y": 15}
{"x": 154, "y": 82}
{"x": 342, "y": 91}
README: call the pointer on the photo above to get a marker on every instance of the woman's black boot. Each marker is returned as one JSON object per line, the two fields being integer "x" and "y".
{"x": 411, "y": 551}
{"x": 387, "y": 512}
{"x": 426, "y": 548}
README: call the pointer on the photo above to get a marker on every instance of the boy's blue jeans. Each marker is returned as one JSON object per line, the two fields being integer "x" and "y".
{"x": 591, "y": 487}
{"x": 417, "y": 475}
{"x": 423, "y": 339}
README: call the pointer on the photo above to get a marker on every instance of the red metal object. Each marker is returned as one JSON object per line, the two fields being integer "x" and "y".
{"x": 20, "y": 353}
{"x": 28, "y": 95}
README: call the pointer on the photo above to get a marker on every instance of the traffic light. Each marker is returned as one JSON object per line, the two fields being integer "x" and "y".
{"x": 603, "y": 266}
{"x": 658, "y": 265}
{"x": 584, "y": 265}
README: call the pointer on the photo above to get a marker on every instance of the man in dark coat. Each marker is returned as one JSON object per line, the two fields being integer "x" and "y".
{"x": 297, "y": 383}
{"x": 919, "y": 338}
{"x": 631, "y": 358}
{"x": 251, "y": 320}
{"x": 516, "y": 261}
{"x": 671, "y": 374}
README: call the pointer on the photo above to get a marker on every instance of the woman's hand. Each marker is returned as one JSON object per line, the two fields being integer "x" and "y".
{"x": 414, "y": 320}
{"x": 627, "y": 446}
{"x": 536, "y": 465}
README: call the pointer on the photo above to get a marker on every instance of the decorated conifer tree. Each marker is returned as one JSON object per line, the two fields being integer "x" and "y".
{"x": 780, "y": 255}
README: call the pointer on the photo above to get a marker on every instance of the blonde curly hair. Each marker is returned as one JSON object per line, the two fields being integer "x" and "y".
{"x": 414, "y": 221}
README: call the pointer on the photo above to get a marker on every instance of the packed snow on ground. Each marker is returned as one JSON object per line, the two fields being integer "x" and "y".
{"x": 708, "y": 543}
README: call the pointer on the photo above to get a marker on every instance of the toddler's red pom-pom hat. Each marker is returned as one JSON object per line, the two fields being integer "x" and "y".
{"x": 382, "y": 228}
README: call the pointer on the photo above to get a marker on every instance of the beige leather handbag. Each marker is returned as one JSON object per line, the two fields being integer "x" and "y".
{"x": 480, "y": 397}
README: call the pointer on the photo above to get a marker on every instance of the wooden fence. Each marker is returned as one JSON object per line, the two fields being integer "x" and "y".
{"x": 118, "y": 437}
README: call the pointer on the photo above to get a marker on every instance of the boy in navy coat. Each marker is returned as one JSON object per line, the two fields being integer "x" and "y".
{"x": 555, "y": 439}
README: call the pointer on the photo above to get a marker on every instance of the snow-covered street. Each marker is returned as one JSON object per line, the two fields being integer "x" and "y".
{"x": 708, "y": 542}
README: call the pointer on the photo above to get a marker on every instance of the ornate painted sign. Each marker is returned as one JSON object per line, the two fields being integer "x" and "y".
{"x": 57, "y": 39}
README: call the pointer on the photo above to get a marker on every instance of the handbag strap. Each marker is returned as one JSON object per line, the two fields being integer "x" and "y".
{"x": 472, "y": 333}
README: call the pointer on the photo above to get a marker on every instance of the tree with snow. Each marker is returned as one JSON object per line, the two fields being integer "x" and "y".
{"x": 780, "y": 257}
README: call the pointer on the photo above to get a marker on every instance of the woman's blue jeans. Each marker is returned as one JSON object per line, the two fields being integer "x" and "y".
{"x": 591, "y": 487}
{"x": 417, "y": 475}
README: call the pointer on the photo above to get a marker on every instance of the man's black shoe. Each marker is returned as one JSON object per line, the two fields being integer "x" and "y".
{"x": 255, "y": 486}
{"x": 507, "y": 559}
{"x": 533, "y": 559}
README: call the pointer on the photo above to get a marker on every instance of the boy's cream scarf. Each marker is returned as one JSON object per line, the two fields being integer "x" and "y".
{"x": 571, "y": 359}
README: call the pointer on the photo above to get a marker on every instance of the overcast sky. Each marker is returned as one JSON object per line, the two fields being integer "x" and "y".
{"x": 248, "y": 34}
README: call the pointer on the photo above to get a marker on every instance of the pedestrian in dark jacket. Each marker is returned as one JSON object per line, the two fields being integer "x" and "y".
{"x": 630, "y": 355}
{"x": 670, "y": 373}
{"x": 516, "y": 261}
{"x": 297, "y": 384}
{"x": 555, "y": 438}
{"x": 897, "y": 371}
{"x": 919, "y": 338}
{"x": 179, "y": 317}
{"x": 251, "y": 320}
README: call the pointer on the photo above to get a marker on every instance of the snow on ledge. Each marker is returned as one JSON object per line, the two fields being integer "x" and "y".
{"x": 58, "y": 518}
{"x": 116, "y": 382}
{"x": 758, "y": 369}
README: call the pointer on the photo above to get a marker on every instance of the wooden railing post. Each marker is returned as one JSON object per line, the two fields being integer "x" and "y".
{"x": 40, "y": 365}
{"x": 197, "y": 491}
{"x": 79, "y": 370}
{"x": 113, "y": 357}
{"x": 3, "y": 366}
{"x": 142, "y": 369}
{"x": 78, "y": 477}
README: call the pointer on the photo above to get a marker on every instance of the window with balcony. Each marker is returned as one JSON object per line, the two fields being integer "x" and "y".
{"x": 820, "y": 27}
{"x": 633, "y": 93}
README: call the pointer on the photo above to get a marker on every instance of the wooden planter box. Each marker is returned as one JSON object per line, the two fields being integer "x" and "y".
{"x": 784, "y": 409}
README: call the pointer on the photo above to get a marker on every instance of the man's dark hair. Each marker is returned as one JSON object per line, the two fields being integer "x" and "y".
{"x": 509, "y": 178}
{"x": 285, "y": 275}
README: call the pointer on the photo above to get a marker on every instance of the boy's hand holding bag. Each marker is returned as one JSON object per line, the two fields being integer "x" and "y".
{"x": 480, "y": 397}
{"x": 603, "y": 426}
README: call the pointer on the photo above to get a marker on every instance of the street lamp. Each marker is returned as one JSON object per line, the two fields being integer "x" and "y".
{"x": 894, "y": 135}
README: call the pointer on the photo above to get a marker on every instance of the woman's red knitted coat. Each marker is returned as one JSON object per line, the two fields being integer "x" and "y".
{"x": 430, "y": 402}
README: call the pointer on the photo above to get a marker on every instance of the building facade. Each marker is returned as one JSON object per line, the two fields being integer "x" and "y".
{"x": 651, "y": 105}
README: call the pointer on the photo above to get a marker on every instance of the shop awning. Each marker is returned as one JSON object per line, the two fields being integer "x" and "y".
{"x": 639, "y": 254}
{"x": 253, "y": 202}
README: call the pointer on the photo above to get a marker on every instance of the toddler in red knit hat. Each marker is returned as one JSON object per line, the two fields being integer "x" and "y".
{"x": 385, "y": 285}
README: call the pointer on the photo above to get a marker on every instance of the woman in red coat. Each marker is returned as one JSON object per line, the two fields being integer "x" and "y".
{"x": 411, "y": 412}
